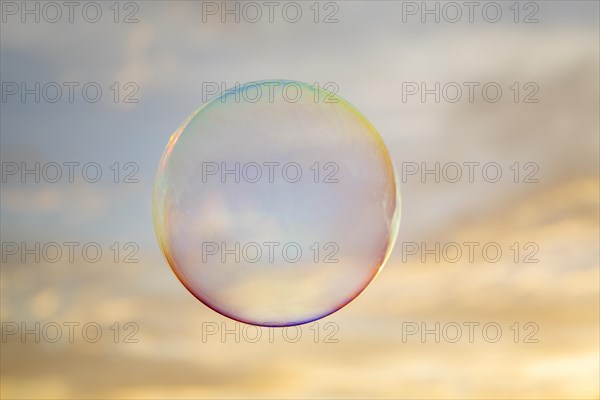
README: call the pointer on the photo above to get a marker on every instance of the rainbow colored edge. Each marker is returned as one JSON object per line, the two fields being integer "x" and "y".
{"x": 159, "y": 193}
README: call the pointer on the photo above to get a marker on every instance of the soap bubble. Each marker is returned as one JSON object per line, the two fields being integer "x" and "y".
{"x": 276, "y": 203}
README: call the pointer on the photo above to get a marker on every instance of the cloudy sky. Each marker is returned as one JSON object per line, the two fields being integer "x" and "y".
{"x": 371, "y": 52}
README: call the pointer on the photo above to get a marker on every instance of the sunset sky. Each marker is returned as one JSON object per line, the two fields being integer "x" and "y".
{"x": 546, "y": 201}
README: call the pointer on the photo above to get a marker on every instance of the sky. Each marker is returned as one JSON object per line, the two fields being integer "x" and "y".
{"x": 153, "y": 71}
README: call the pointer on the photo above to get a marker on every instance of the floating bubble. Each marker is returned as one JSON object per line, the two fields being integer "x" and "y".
{"x": 276, "y": 203}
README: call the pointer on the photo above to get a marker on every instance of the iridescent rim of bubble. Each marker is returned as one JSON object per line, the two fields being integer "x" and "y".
{"x": 158, "y": 196}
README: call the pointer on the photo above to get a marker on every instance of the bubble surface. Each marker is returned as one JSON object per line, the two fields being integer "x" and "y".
{"x": 276, "y": 203}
